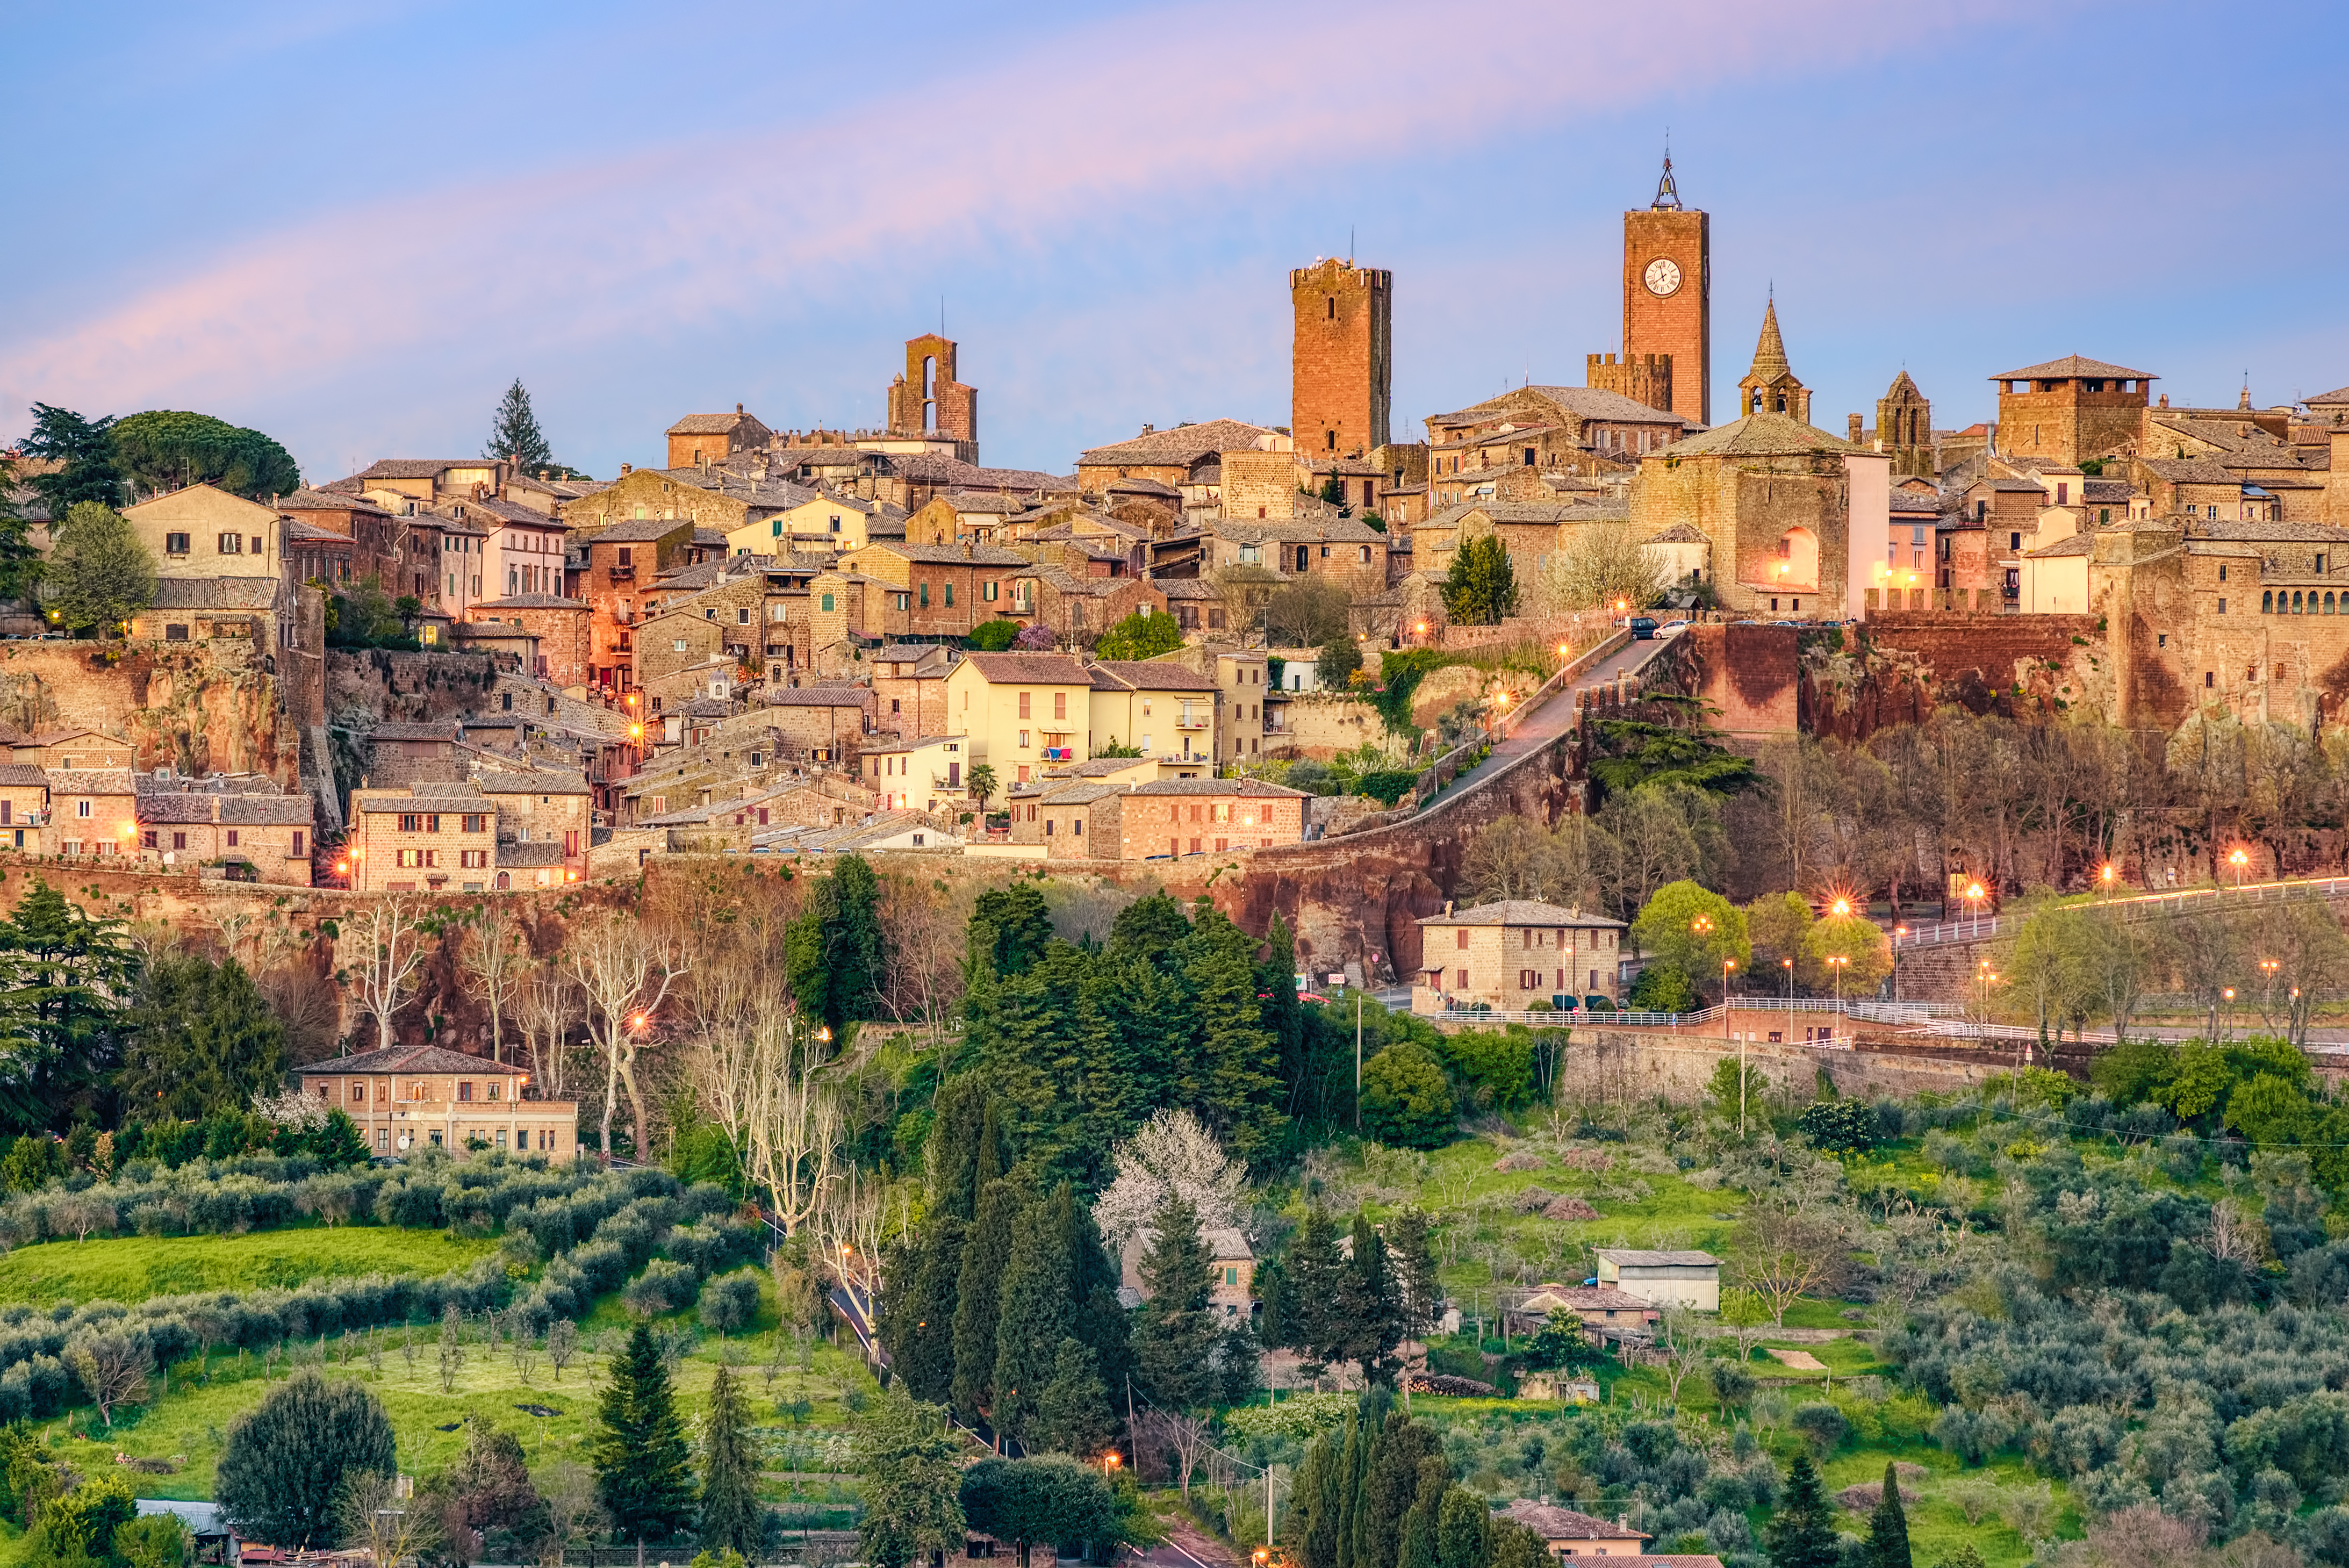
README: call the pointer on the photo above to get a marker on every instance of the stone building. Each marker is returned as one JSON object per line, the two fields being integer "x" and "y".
{"x": 419, "y": 1097}
{"x": 1904, "y": 427}
{"x": 2070, "y": 409}
{"x": 1544, "y": 430}
{"x": 1178, "y": 457}
{"x": 423, "y": 836}
{"x": 1341, "y": 357}
{"x": 1778, "y": 501}
{"x": 1511, "y": 955}
{"x": 700, "y": 438}
{"x": 563, "y": 630}
{"x": 937, "y": 590}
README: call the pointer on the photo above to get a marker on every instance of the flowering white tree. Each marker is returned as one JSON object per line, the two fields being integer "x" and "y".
{"x": 1172, "y": 1156}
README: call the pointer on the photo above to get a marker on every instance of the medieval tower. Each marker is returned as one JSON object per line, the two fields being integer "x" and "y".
{"x": 1342, "y": 369}
{"x": 1668, "y": 298}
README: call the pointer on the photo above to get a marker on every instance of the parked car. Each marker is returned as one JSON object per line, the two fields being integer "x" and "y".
{"x": 1672, "y": 628}
{"x": 1642, "y": 627}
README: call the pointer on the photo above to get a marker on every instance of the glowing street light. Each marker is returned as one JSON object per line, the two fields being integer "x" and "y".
{"x": 1836, "y": 961}
{"x": 2241, "y": 860}
{"x": 1974, "y": 894}
{"x": 1841, "y": 908}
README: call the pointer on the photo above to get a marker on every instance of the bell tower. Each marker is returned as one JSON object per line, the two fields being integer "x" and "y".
{"x": 1668, "y": 295}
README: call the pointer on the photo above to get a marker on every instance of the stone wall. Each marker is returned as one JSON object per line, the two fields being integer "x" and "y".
{"x": 1751, "y": 673}
{"x": 1627, "y": 1065}
{"x": 201, "y": 707}
{"x": 414, "y": 687}
{"x": 1320, "y": 726}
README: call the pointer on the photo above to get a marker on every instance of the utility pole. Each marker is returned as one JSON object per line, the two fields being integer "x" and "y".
{"x": 1133, "y": 1443}
{"x": 1358, "y": 1061}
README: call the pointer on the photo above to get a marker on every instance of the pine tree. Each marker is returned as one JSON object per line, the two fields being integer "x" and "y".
{"x": 731, "y": 1512}
{"x": 1393, "y": 1488}
{"x": 64, "y": 977}
{"x": 1035, "y": 1312}
{"x": 834, "y": 952}
{"x": 1887, "y": 1528}
{"x": 1282, "y": 1013}
{"x": 1009, "y": 927}
{"x": 1416, "y": 1545}
{"x": 960, "y": 1146}
{"x": 639, "y": 1450}
{"x": 912, "y": 1466}
{"x": 1175, "y": 1341}
{"x": 91, "y": 469}
{"x": 1229, "y": 1077}
{"x": 978, "y": 1297}
{"x": 202, "y": 1039}
{"x": 514, "y": 432}
{"x": 1802, "y": 1533}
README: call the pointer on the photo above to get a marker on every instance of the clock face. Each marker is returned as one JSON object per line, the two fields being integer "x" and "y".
{"x": 1662, "y": 276}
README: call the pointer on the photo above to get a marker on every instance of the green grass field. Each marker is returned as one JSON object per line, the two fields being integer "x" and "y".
{"x": 132, "y": 1268}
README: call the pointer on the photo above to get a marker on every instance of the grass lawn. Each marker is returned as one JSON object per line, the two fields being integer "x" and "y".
{"x": 131, "y": 1268}
{"x": 189, "y": 1425}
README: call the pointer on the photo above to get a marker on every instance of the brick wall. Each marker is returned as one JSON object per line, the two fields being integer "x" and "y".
{"x": 1751, "y": 673}
{"x": 1681, "y": 324}
{"x": 1342, "y": 357}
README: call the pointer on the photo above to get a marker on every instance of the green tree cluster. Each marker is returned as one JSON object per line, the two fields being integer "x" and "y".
{"x": 289, "y": 1461}
{"x": 834, "y": 953}
{"x": 1082, "y": 1044}
{"x": 1695, "y": 929}
{"x": 98, "y": 575}
{"x": 1050, "y": 1500}
{"x": 912, "y": 1463}
{"x": 639, "y": 1449}
{"x": 1333, "y": 1304}
{"x": 1379, "y": 1493}
{"x": 167, "y": 449}
{"x": 1187, "y": 1355}
{"x": 87, "y": 467}
{"x": 1145, "y": 634}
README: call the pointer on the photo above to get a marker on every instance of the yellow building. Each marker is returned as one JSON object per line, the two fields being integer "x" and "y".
{"x": 1021, "y": 712}
{"x": 927, "y": 773}
{"x": 814, "y": 522}
{"x": 1163, "y": 709}
{"x": 425, "y": 838}
{"x": 427, "y": 1096}
{"x": 205, "y": 532}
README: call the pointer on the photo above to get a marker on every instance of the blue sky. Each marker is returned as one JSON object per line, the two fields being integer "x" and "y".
{"x": 351, "y": 225}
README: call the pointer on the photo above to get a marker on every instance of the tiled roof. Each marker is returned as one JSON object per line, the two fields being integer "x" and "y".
{"x": 707, "y": 424}
{"x": 821, "y": 697}
{"x": 419, "y": 468}
{"x": 639, "y": 530}
{"x": 1678, "y": 533}
{"x": 1519, "y": 912}
{"x": 1587, "y": 402}
{"x": 1757, "y": 436}
{"x": 410, "y": 1059}
{"x": 2071, "y": 366}
{"x": 1554, "y": 1523}
{"x": 1184, "y": 587}
{"x": 1253, "y": 788}
{"x": 176, "y": 808}
{"x": 538, "y": 782}
{"x": 301, "y": 531}
{"x": 2277, "y": 532}
{"x": 1141, "y": 674}
{"x": 1298, "y": 530}
{"x": 956, "y": 554}
{"x": 2073, "y": 544}
{"x": 1143, "y": 487}
{"x": 530, "y": 602}
{"x": 1638, "y": 1258}
{"x": 267, "y": 810}
{"x": 400, "y": 729}
{"x": 215, "y": 593}
{"x": 308, "y": 500}
{"x": 2105, "y": 491}
{"x": 21, "y": 773}
{"x": 1079, "y": 794}
{"x": 91, "y": 782}
{"x": 1029, "y": 669}
{"x": 2190, "y": 470}
{"x": 524, "y": 857}
{"x": 894, "y": 746}
{"x": 1501, "y": 511}
{"x": 1182, "y": 445}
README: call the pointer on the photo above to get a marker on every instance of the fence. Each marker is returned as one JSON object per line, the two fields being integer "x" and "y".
{"x": 2137, "y": 906}
{"x": 1899, "y": 1015}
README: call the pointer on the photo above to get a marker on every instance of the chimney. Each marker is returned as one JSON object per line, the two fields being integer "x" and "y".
{"x": 737, "y": 407}
{"x": 1447, "y": 906}
{"x": 1854, "y": 421}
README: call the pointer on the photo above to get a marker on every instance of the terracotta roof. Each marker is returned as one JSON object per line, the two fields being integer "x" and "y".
{"x": 1588, "y": 402}
{"x": 2105, "y": 491}
{"x": 820, "y": 697}
{"x": 523, "y": 857}
{"x": 538, "y": 782}
{"x": 1519, "y": 912}
{"x": 1182, "y": 445}
{"x": 1143, "y": 674}
{"x": 1554, "y": 1523}
{"x": 267, "y": 810}
{"x": 91, "y": 782}
{"x": 639, "y": 530}
{"x": 1143, "y": 487}
{"x": 1585, "y": 1298}
{"x": 308, "y": 500}
{"x": 215, "y": 593}
{"x": 2074, "y": 544}
{"x": 1680, "y": 533}
{"x": 419, "y": 468}
{"x": 1079, "y": 794}
{"x": 530, "y": 602}
{"x": 956, "y": 554}
{"x": 2071, "y": 366}
{"x": 22, "y": 773}
{"x": 1254, "y": 789}
{"x": 1640, "y": 1258}
{"x": 1029, "y": 669}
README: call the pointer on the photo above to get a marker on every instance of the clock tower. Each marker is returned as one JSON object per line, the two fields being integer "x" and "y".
{"x": 1667, "y": 296}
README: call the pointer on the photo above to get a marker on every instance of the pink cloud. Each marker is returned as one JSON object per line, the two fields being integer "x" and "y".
{"x": 1173, "y": 111}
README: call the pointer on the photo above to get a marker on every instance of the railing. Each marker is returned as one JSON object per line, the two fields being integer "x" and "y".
{"x": 1899, "y": 1015}
{"x": 2139, "y": 906}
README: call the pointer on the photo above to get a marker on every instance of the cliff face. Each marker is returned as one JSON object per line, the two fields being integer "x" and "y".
{"x": 201, "y": 707}
{"x": 406, "y": 687}
{"x": 1896, "y": 669}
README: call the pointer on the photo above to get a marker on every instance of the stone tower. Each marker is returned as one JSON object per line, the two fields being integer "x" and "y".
{"x": 926, "y": 398}
{"x": 1771, "y": 386}
{"x": 1342, "y": 370}
{"x": 1667, "y": 296}
{"x": 1904, "y": 427}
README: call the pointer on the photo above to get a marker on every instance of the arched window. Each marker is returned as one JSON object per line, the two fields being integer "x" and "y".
{"x": 2328, "y": 603}
{"x": 2267, "y": 602}
{"x": 2295, "y": 602}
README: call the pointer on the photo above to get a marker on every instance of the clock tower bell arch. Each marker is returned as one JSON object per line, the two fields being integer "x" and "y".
{"x": 1668, "y": 295}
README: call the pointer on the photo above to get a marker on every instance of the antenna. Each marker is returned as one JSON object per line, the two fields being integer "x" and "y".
{"x": 1350, "y": 242}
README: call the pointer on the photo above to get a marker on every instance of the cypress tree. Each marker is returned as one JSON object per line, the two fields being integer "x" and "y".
{"x": 1370, "y": 1307}
{"x": 1017, "y": 928}
{"x": 978, "y": 1297}
{"x": 1174, "y": 1340}
{"x": 1460, "y": 1524}
{"x": 1230, "y": 1077}
{"x": 1072, "y": 1414}
{"x": 639, "y": 1449}
{"x": 202, "y": 1039}
{"x": 1283, "y": 1013}
{"x": 1305, "y": 1501}
{"x": 955, "y": 1146}
{"x": 835, "y": 952}
{"x": 1802, "y": 1533}
{"x": 917, "y": 1315}
{"x": 1887, "y": 1528}
{"x": 731, "y": 1514}
{"x": 1035, "y": 1312}
{"x": 1315, "y": 1272}
{"x": 1411, "y": 1254}
{"x": 1102, "y": 1323}
{"x": 1416, "y": 1548}
{"x": 1355, "y": 1468}
{"x": 1394, "y": 1487}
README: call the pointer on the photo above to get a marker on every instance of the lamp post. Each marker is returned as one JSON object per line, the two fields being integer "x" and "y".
{"x": 1975, "y": 894}
{"x": 1788, "y": 965}
{"x": 1836, "y": 961}
{"x": 2241, "y": 860}
{"x": 2110, "y": 875}
{"x": 1898, "y": 933}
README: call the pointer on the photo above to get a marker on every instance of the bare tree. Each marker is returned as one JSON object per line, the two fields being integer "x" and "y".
{"x": 562, "y": 1344}
{"x": 626, "y": 972}
{"x": 1186, "y": 1435}
{"x": 389, "y": 935}
{"x": 1682, "y": 1346}
{"x": 395, "y": 1530}
{"x": 1791, "y": 1250}
{"x": 113, "y": 1368}
{"x": 573, "y": 1511}
{"x": 786, "y": 1115}
{"x": 544, "y": 1008}
{"x": 495, "y": 958}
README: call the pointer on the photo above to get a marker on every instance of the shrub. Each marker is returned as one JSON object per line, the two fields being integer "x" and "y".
{"x": 1840, "y": 1125}
{"x": 1663, "y": 988}
{"x": 287, "y": 1462}
{"x": 730, "y": 1302}
{"x": 664, "y": 1287}
{"x": 1821, "y": 1425}
{"x": 1405, "y": 1099}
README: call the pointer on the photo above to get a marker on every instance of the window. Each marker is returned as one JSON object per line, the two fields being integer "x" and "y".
{"x": 233, "y": 838}
{"x": 949, "y": 595}
{"x": 473, "y": 860}
{"x": 81, "y": 808}
{"x": 742, "y": 616}
{"x": 1023, "y": 709}
{"x": 1461, "y": 933}
{"x": 231, "y": 543}
{"x": 1059, "y": 705}
{"x": 175, "y": 545}
{"x": 179, "y": 840}
{"x": 827, "y": 603}
{"x": 295, "y": 851}
{"x": 464, "y": 1092}
{"x": 989, "y": 591}
{"x": 476, "y": 822}
{"x": 676, "y": 644}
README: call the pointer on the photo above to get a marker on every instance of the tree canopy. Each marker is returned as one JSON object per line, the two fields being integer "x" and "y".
{"x": 514, "y": 432}
{"x": 283, "y": 1473}
{"x": 100, "y": 575}
{"x": 89, "y": 469}
{"x": 1145, "y": 634}
{"x": 1482, "y": 586}
{"x": 166, "y": 450}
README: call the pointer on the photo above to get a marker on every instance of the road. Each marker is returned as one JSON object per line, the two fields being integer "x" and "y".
{"x": 1554, "y": 718}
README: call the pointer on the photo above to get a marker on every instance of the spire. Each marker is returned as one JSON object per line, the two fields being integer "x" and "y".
{"x": 1668, "y": 195}
{"x": 1770, "y": 353}
{"x": 2244, "y": 401}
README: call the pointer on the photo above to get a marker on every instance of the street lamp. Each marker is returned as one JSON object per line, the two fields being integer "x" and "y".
{"x": 2239, "y": 860}
{"x": 1974, "y": 895}
{"x": 1836, "y": 961}
{"x": 2109, "y": 875}
{"x": 1788, "y": 965}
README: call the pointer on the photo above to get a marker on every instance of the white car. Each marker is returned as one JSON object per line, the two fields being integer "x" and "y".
{"x": 1672, "y": 628}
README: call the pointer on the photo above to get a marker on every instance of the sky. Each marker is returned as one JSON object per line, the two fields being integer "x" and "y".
{"x": 351, "y": 225}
